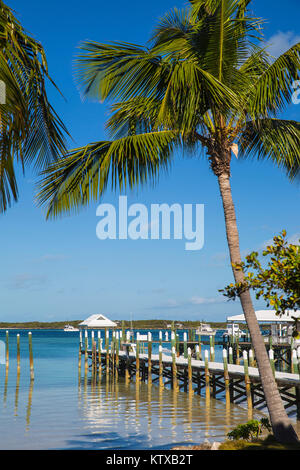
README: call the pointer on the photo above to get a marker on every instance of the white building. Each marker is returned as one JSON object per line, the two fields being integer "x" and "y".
{"x": 97, "y": 322}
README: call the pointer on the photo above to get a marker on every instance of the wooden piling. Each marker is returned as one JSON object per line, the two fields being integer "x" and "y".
{"x": 7, "y": 349}
{"x": 251, "y": 358}
{"x": 117, "y": 354}
{"x": 107, "y": 350}
{"x": 226, "y": 378}
{"x": 174, "y": 370}
{"x": 137, "y": 363}
{"x": 149, "y": 358}
{"x": 161, "y": 380}
{"x": 295, "y": 362}
{"x": 173, "y": 340}
{"x": 185, "y": 345}
{"x": 271, "y": 358}
{"x": 247, "y": 381}
{"x": 127, "y": 366}
{"x": 99, "y": 354}
{"x": 207, "y": 385}
{"x": 30, "y": 356}
{"x": 160, "y": 338}
{"x": 190, "y": 371}
{"x": 86, "y": 363}
{"x": 199, "y": 345}
{"x": 237, "y": 360}
{"x": 18, "y": 354}
{"x": 94, "y": 363}
{"x": 230, "y": 352}
{"x": 123, "y": 338}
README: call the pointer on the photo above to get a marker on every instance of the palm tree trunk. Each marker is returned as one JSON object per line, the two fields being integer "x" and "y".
{"x": 281, "y": 425}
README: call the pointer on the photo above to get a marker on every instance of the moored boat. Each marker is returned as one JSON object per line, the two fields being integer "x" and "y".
{"x": 70, "y": 328}
{"x": 205, "y": 329}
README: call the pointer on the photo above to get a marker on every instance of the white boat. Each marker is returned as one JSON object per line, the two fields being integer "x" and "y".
{"x": 70, "y": 328}
{"x": 205, "y": 329}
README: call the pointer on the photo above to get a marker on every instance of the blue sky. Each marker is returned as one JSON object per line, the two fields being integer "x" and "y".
{"x": 59, "y": 270}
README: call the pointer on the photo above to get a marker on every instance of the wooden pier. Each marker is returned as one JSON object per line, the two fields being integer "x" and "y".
{"x": 235, "y": 383}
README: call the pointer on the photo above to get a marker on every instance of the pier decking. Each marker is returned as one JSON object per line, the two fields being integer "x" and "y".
{"x": 233, "y": 383}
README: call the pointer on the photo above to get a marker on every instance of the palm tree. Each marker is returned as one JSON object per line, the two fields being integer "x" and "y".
{"x": 205, "y": 83}
{"x": 30, "y": 130}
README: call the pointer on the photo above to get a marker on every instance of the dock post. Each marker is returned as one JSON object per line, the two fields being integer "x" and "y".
{"x": 113, "y": 351}
{"x": 207, "y": 387}
{"x": 295, "y": 362}
{"x": 174, "y": 370}
{"x": 137, "y": 363}
{"x": 117, "y": 354}
{"x": 199, "y": 344}
{"x": 297, "y": 389}
{"x": 160, "y": 338}
{"x": 7, "y": 350}
{"x": 92, "y": 339}
{"x": 247, "y": 382}
{"x": 212, "y": 354}
{"x": 190, "y": 371}
{"x": 149, "y": 358}
{"x": 291, "y": 354}
{"x": 270, "y": 342}
{"x": 18, "y": 353}
{"x": 177, "y": 344}
{"x": 123, "y": 332}
{"x": 79, "y": 360}
{"x": 30, "y": 356}
{"x": 230, "y": 355}
{"x": 185, "y": 345}
{"x": 94, "y": 364}
{"x": 237, "y": 349}
{"x": 161, "y": 381}
{"x": 251, "y": 358}
{"x": 93, "y": 353}
{"x": 127, "y": 365}
{"x": 198, "y": 373}
{"x": 226, "y": 377}
{"x": 86, "y": 365}
{"x": 99, "y": 355}
{"x": 173, "y": 340}
{"x": 107, "y": 350}
{"x": 271, "y": 357}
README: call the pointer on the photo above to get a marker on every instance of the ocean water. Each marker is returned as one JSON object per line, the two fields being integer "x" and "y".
{"x": 60, "y": 410}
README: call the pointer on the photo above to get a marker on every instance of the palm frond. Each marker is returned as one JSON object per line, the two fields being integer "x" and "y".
{"x": 273, "y": 89}
{"x": 30, "y": 130}
{"x": 84, "y": 174}
{"x": 274, "y": 139}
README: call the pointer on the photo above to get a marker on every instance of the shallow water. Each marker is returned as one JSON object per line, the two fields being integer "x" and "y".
{"x": 60, "y": 411}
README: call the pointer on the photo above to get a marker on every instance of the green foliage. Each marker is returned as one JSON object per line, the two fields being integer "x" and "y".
{"x": 269, "y": 443}
{"x": 204, "y": 83}
{"x": 249, "y": 431}
{"x": 31, "y": 131}
{"x": 278, "y": 283}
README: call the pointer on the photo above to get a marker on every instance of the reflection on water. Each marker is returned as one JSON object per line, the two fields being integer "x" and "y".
{"x": 61, "y": 411}
{"x": 119, "y": 415}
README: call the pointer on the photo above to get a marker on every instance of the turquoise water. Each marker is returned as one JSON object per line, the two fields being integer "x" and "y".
{"x": 61, "y": 411}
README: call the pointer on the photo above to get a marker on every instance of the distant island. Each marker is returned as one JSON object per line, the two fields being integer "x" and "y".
{"x": 136, "y": 324}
